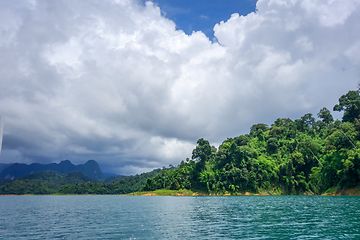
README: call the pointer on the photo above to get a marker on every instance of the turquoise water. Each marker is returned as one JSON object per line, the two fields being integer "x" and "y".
{"x": 142, "y": 217}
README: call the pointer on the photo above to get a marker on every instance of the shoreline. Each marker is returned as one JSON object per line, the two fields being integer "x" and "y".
{"x": 329, "y": 192}
{"x": 334, "y": 191}
{"x": 182, "y": 195}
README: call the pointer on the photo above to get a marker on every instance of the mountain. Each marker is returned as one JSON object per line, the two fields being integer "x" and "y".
{"x": 112, "y": 175}
{"x": 57, "y": 178}
{"x": 90, "y": 168}
{"x": 4, "y": 165}
{"x": 46, "y": 182}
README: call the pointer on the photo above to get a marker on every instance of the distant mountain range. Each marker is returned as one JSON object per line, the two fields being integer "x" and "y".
{"x": 4, "y": 165}
{"x": 67, "y": 178}
{"x": 90, "y": 168}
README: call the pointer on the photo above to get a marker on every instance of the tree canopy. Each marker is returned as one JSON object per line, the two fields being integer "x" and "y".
{"x": 350, "y": 104}
{"x": 290, "y": 157}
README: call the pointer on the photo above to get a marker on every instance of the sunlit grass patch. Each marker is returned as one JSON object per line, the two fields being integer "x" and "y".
{"x": 164, "y": 192}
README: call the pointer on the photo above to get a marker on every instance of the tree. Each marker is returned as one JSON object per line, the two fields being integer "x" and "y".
{"x": 305, "y": 123}
{"x": 272, "y": 145}
{"x": 242, "y": 140}
{"x": 350, "y": 104}
{"x": 259, "y": 126}
{"x": 308, "y": 119}
{"x": 325, "y": 116}
{"x": 282, "y": 122}
{"x": 202, "y": 152}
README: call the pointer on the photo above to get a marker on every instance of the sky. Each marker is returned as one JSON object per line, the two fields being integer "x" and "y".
{"x": 134, "y": 84}
{"x": 202, "y": 15}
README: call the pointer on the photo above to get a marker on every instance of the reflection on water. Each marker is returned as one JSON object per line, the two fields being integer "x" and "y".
{"x": 130, "y": 217}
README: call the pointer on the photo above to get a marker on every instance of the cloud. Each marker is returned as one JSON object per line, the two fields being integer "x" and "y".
{"x": 116, "y": 82}
{"x": 204, "y": 17}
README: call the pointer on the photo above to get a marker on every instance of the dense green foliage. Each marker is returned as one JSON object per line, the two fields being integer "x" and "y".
{"x": 45, "y": 182}
{"x": 289, "y": 157}
{"x": 121, "y": 185}
{"x": 49, "y": 182}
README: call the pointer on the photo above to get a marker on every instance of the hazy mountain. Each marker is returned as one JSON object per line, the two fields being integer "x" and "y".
{"x": 4, "y": 165}
{"x": 113, "y": 175}
{"x": 90, "y": 168}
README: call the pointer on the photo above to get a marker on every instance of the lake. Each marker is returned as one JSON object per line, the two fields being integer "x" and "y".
{"x": 164, "y": 217}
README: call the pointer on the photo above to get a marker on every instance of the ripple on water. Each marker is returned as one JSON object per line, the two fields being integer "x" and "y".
{"x": 130, "y": 217}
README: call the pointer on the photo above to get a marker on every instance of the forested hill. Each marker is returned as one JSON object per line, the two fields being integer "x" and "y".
{"x": 45, "y": 182}
{"x": 118, "y": 185}
{"x": 49, "y": 182}
{"x": 288, "y": 157}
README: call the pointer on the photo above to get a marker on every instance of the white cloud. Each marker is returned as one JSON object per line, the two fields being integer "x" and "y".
{"x": 115, "y": 82}
{"x": 331, "y": 12}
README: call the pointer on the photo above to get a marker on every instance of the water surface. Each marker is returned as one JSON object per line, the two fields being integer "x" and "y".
{"x": 145, "y": 217}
